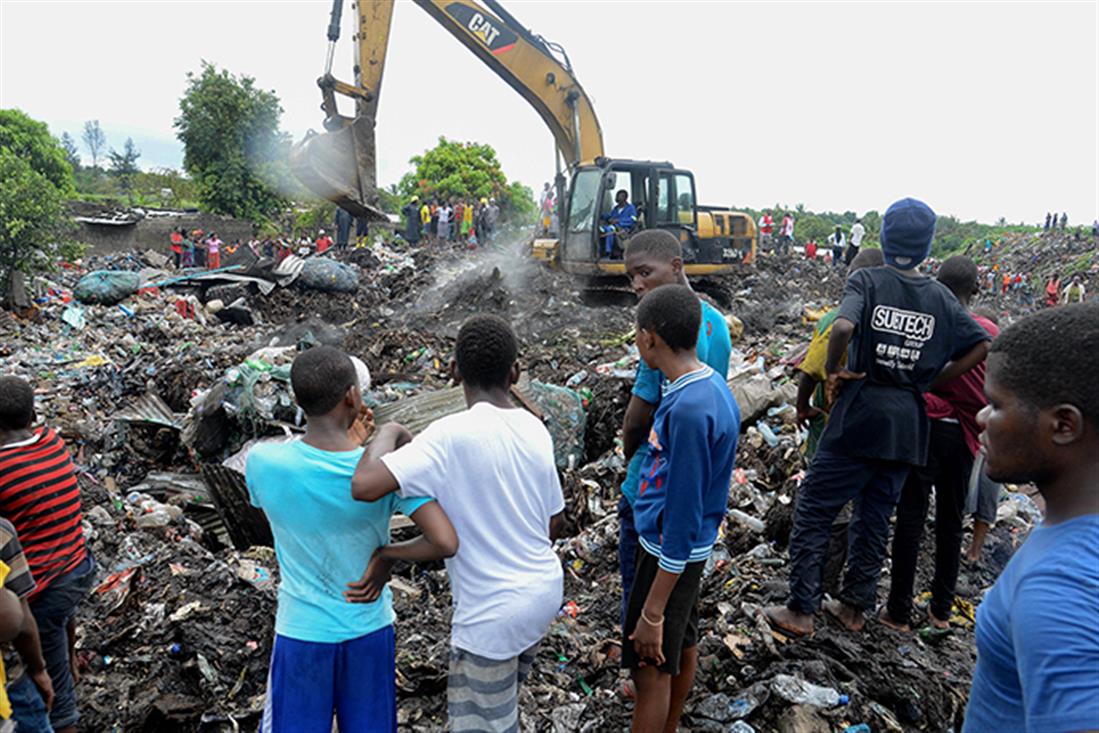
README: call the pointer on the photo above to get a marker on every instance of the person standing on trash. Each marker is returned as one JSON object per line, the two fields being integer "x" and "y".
{"x": 812, "y": 412}
{"x": 952, "y": 409}
{"x": 425, "y": 220}
{"x": 334, "y": 645}
{"x": 459, "y": 215}
{"x": 858, "y": 232}
{"x": 837, "y": 241}
{"x": 467, "y": 221}
{"x": 786, "y": 238}
{"x": 654, "y": 258}
{"x": 1074, "y": 291}
{"x": 766, "y": 229}
{"x": 681, "y": 503}
{"x": 906, "y": 334}
{"x": 176, "y": 241}
{"x": 412, "y": 220}
{"x": 492, "y": 470}
{"x": 444, "y": 213}
{"x": 40, "y": 496}
{"x": 1064, "y": 221}
{"x": 323, "y": 243}
{"x": 344, "y": 222}
{"x": 26, "y": 691}
{"x": 1053, "y": 290}
{"x": 1037, "y": 637}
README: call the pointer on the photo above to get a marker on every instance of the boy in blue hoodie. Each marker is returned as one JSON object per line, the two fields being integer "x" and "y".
{"x": 681, "y": 502}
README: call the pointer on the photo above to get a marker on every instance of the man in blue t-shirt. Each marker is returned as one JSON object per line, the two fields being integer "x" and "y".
{"x": 907, "y": 333}
{"x": 620, "y": 219}
{"x": 1037, "y": 636}
{"x": 655, "y": 258}
{"x": 334, "y": 644}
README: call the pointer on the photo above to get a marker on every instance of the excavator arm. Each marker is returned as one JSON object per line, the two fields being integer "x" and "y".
{"x": 340, "y": 164}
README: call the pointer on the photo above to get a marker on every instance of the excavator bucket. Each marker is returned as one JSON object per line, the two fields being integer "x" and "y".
{"x": 340, "y": 166}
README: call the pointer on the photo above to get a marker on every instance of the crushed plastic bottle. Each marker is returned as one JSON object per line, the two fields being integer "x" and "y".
{"x": 768, "y": 434}
{"x": 741, "y": 727}
{"x": 752, "y": 523}
{"x": 799, "y": 692}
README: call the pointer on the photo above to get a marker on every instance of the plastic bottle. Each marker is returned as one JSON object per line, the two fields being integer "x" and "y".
{"x": 768, "y": 434}
{"x": 741, "y": 727}
{"x": 756, "y": 525}
{"x": 798, "y": 691}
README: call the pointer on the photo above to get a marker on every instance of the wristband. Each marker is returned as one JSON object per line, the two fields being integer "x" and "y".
{"x": 649, "y": 621}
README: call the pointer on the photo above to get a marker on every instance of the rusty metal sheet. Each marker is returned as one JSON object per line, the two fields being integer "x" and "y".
{"x": 149, "y": 408}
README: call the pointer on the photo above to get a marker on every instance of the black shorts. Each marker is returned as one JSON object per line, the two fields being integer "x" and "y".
{"x": 680, "y": 615}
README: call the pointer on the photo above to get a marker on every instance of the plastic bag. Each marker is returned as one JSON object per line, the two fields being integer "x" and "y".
{"x": 328, "y": 276}
{"x": 107, "y": 286}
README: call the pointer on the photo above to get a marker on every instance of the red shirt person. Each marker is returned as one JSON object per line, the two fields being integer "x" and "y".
{"x": 39, "y": 495}
{"x": 324, "y": 243}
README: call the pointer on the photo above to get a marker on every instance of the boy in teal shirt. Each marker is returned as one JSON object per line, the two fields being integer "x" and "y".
{"x": 337, "y": 628}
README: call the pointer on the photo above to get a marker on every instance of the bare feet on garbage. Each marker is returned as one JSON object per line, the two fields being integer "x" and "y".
{"x": 938, "y": 623}
{"x": 850, "y": 617}
{"x": 887, "y": 620}
{"x": 792, "y": 622}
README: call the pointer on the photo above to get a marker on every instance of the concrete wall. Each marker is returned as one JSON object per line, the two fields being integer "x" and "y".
{"x": 152, "y": 232}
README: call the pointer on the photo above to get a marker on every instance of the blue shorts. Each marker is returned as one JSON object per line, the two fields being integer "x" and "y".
{"x": 309, "y": 681}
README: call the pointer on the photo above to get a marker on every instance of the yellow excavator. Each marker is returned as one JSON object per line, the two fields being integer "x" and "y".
{"x": 340, "y": 164}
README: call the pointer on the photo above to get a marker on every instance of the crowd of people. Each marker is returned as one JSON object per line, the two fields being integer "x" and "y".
{"x": 906, "y": 392}
{"x": 452, "y": 220}
{"x": 201, "y": 250}
{"x": 839, "y": 247}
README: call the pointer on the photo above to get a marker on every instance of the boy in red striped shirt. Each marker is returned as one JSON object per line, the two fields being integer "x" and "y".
{"x": 40, "y": 496}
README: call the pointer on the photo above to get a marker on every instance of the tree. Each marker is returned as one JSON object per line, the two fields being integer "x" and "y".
{"x": 31, "y": 140}
{"x": 72, "y": 155}
{"x": 467, "y": 171}
{"x": 233, "y": 148}
{"x": 95, "y": 139}
{"x": 36, "y": 181}
{"x": 124, "y": 165}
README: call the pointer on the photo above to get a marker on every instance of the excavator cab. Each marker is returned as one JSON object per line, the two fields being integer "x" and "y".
{"x": 665, "y": 199}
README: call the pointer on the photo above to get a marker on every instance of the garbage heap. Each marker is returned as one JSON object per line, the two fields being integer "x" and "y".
{"x": 158, "y": 400}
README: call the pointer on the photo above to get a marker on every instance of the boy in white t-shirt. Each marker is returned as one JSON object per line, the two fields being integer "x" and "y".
{"x": 491, "y": 469}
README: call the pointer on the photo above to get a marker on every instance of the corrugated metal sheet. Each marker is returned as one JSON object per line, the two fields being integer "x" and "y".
{"x": 288, "y": 270}
{"x": 149, "y": 408}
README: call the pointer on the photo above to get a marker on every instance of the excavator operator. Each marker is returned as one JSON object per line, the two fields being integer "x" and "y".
{"x": 620, "y": 220}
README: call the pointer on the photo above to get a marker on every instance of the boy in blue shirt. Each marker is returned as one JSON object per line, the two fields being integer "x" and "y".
{"x": 655, "y": 258}
{"x": 334, "y": 644}
{"x": 1037, "y": 638}
{"x": 681, "y": 502}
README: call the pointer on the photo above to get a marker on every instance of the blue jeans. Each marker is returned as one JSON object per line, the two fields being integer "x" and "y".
{"x": 52, "y": 609}
{"x": 28, "y": 709}
{"x": 627, "y": 552}
{"x": 835, "y": 479}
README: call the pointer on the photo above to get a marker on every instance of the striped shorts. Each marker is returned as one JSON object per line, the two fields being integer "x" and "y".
{"x": 482, "y": 694}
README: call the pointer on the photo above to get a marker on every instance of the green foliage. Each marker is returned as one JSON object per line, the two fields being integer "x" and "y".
{"x": 31, "y": 141}
{"x": 233, "y": 148}
{"x": 72, "y": 154}
{"x": 389, "y": 199}
{"x": 517, "y": 203}
{"x": 33, "y": 222}
{"x": 95, "y": 139}
{"x": 124, "y": 165}
{"x": 461, "y": 171}
{"x": 455, "y": 170}
{"x": 310, "y": 220}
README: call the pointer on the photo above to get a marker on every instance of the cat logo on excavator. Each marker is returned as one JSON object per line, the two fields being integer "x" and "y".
{"x": 486, "y": 29}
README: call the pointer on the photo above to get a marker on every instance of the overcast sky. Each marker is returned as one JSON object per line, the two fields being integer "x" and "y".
{"x": 981, "y": 109}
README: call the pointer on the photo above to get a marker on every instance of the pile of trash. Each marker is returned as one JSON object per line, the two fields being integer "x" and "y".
{"x": 160, "y": 396}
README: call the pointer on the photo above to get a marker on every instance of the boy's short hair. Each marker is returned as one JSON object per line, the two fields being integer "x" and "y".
{"x": 959, "y": 273}
{"x": 673, "y": 313}
{"x": 1048, "y": 358}
{"x": 657, "y": 243}
{"x": 16, "y": 403}
{"x": 485, "y": 351}
{"x": 320, "y": 378}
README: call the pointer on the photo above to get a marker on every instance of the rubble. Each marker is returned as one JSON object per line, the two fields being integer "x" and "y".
{"x": 158, "y": 394}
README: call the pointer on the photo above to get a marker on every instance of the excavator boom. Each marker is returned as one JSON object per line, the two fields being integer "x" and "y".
{"x": 340, "y": 164}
